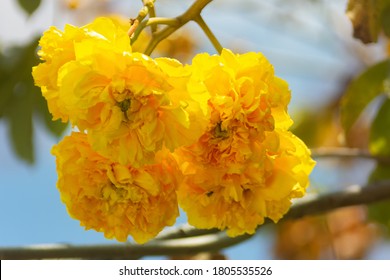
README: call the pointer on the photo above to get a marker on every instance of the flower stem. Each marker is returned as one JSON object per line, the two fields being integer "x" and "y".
{"x": 152, "y": 22}
{"x": 152, "y": 14}
{"x": 191, "y": 14}
{"x": 158, "y": 37}
{"x": 199, "y": 20}
{"x": 148, "y": 6}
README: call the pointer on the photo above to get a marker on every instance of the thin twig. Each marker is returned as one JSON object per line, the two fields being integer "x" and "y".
{"x": 311, "y": 205}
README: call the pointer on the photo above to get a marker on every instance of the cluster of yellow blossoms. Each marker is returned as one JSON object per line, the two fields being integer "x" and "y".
{"x": 153, "y": 134}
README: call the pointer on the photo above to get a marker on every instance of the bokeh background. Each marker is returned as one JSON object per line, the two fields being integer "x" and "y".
{"x": 310, "y": 44}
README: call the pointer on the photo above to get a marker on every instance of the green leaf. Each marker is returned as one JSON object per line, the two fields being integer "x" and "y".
{"x": 312, "y": 127}
{"x": 5, "y": 91}
{"x": 19, "y": 115}
{"x": 380, "y": 131}
{"x": 380, "y": 211}
{"x": 21, "y": 100}
{"x": 29, "y": 6}
{"x": 5, "y": 84}
{"x": 360, "y": 92}
{"x": 385, "y": 20}
{"x": 381, "y": 172}
{"x": 17, "y": 85}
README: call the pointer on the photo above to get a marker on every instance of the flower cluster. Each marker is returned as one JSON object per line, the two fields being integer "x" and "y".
{"x": 113, "y": 198}
{"x": 211, "y": 137}
{"x": 246, "y": 165}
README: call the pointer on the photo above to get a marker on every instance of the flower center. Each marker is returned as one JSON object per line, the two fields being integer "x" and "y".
{"x": 113, "y": 194}
{"x": 219, "y": 132}
{"x": 125, "y": 105}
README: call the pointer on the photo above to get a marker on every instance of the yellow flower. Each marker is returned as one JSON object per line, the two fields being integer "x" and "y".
{"x": 116, "y": 199}
{"x": 246, "y": 101}
{"x": 58, "y": 48}
{"x": 246, "y": 166}
{"x": 130, "y": 105}
{"x": 263, "y": 187}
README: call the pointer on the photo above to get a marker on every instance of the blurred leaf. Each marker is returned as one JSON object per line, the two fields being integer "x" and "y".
{"x": 29, "y": 6}
{"x": 381, "y": 172}
{"x": 313, "y": 127}
{"x": 5, "y": 91}
{"x": 21, "y": 100}
{"x": 18, "y": 107}
{"x": 19, "y": 115}
{"x": 366, "y": 17}
{"x": 7, "y": 80}
{"x": 385, "y": 20}
{"x": 57, "y": 127}
{"x": 380, "y": 211}
{"x": 380, "y": 131}
{"x": 368, "y": 85}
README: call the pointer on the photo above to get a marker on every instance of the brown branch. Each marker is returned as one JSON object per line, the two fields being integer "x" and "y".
{"x": 184, "y": 231}
{"x": 189, "y": 240}
{"x": 182, "y": 246}
{"x": 353, "y": 195}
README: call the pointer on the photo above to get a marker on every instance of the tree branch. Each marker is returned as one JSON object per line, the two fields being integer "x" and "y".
{"x": 353, "y": 195}
{"x": 183, "y": 246}
{"x": 188, "y": 240}
{"x": 184, "y": 231}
